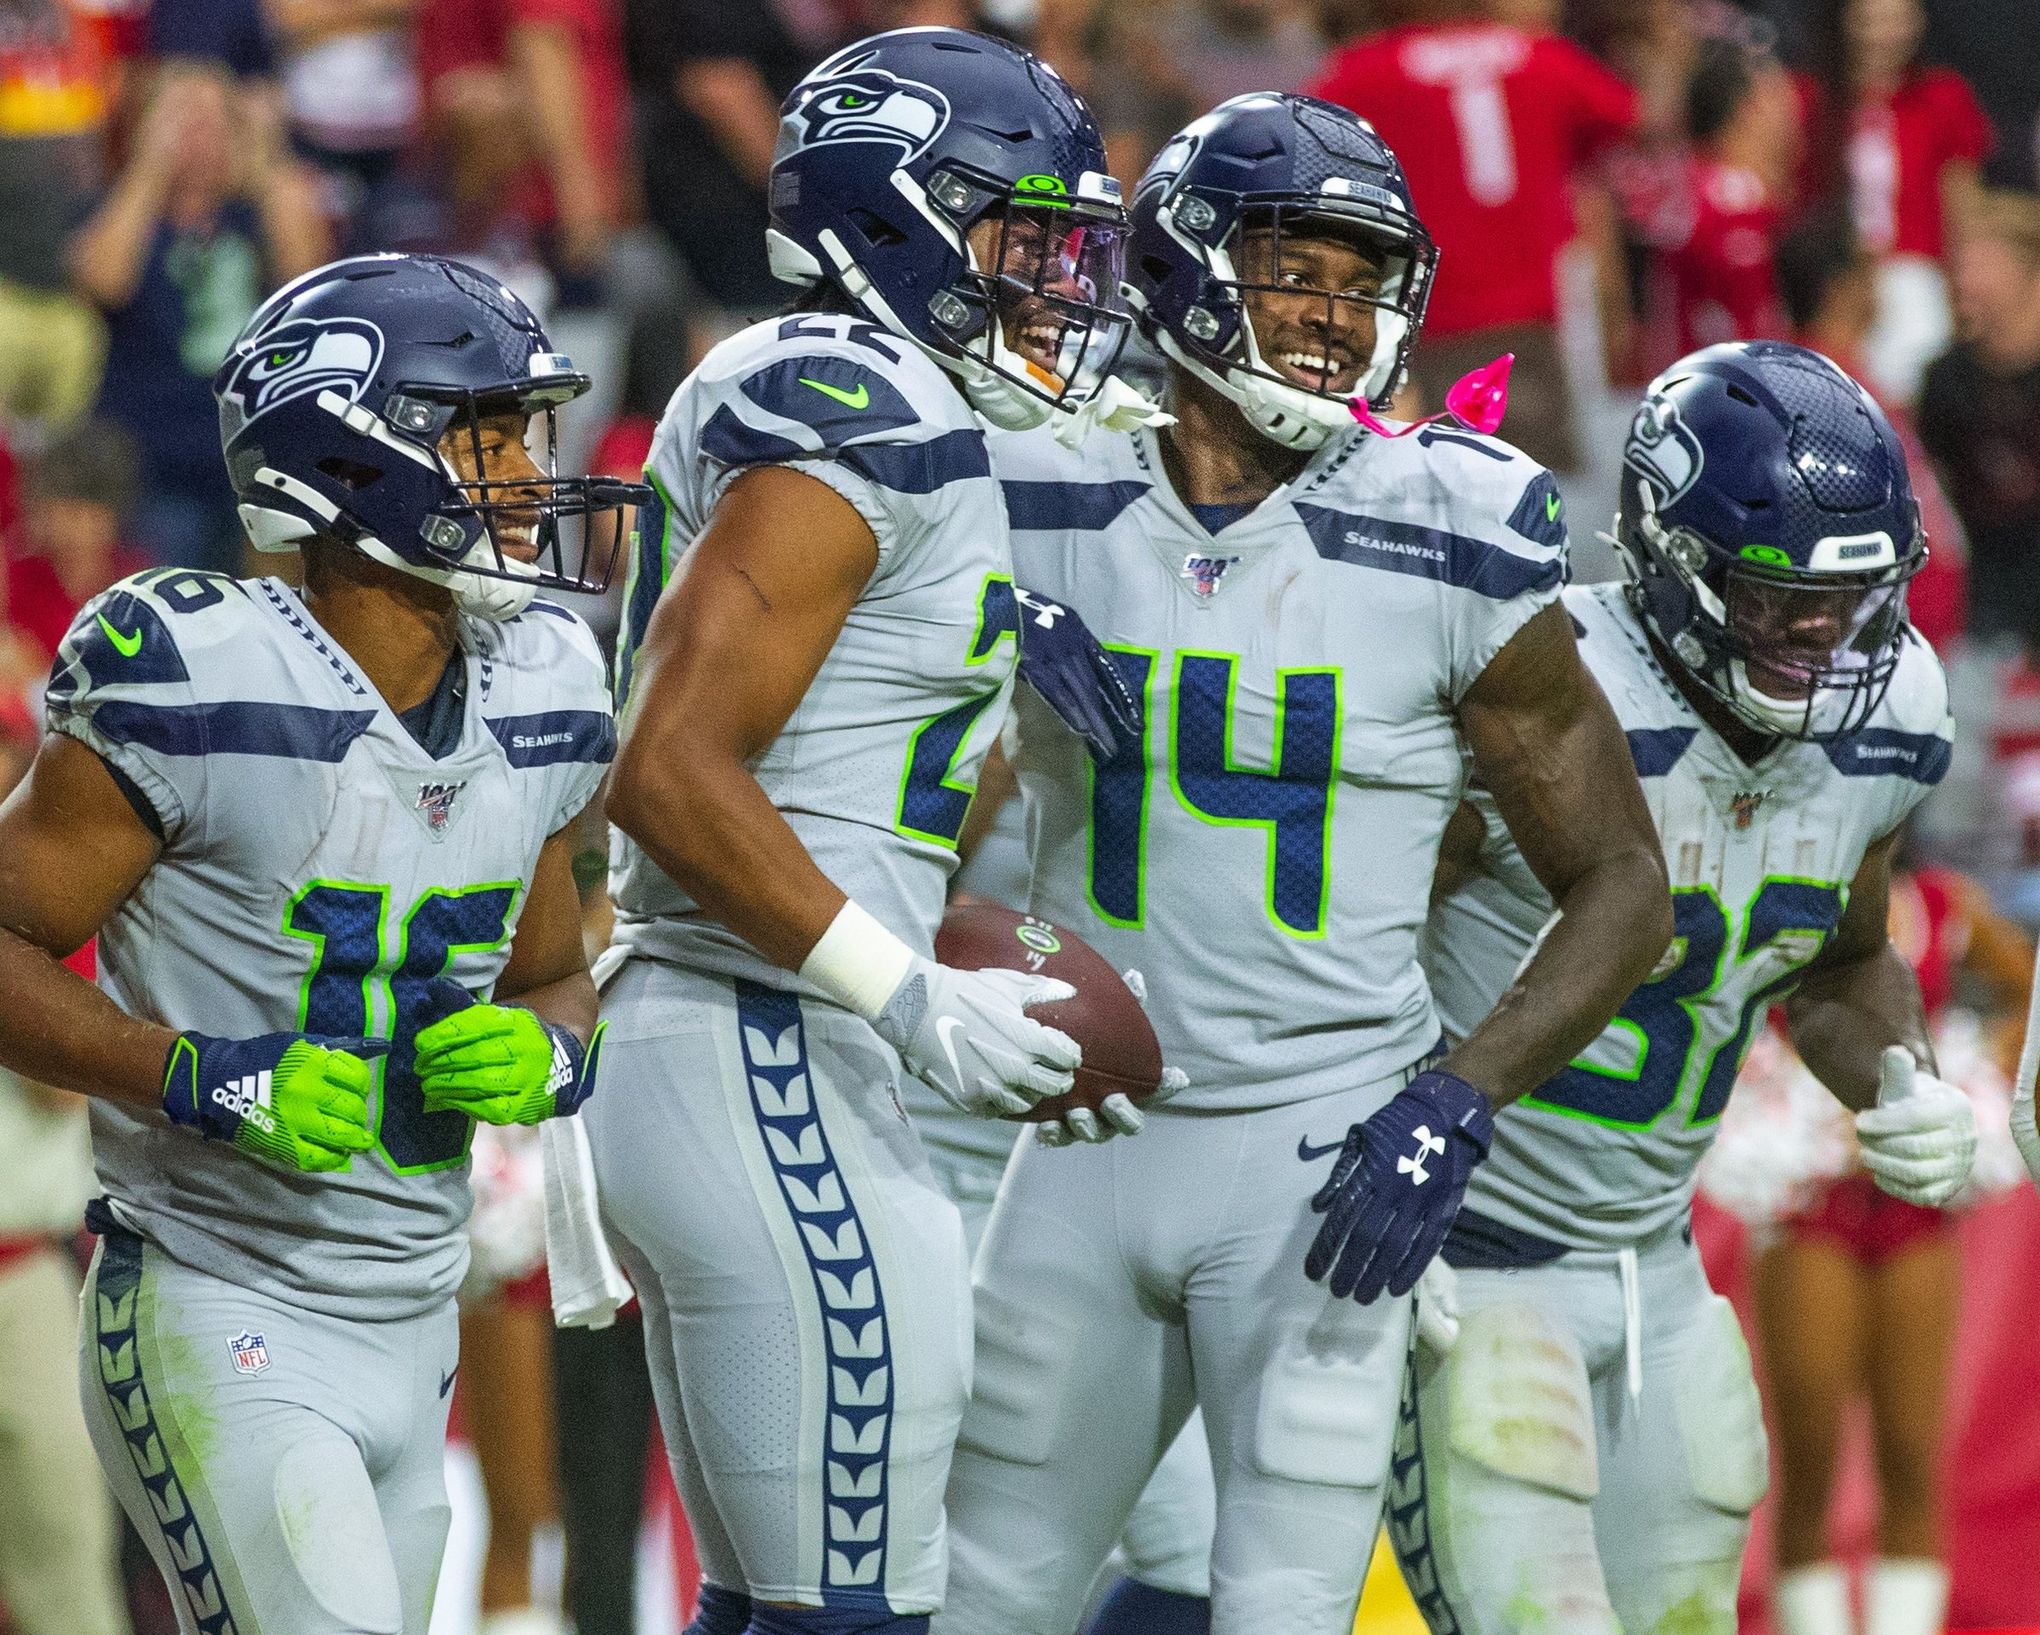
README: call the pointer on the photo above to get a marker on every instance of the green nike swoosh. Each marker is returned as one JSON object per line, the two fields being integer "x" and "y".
{"x": 1551, "y": 508}
{"x": 127, "y": 646}
{"x": 861, "y": 398}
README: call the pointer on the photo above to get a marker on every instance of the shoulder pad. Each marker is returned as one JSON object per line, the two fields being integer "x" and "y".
{"x": 809, "y": 385}
{"x": 150, "y": 629}
{"x": 1050, "y": 488}
{"x": 550, "y": 648}
{"x": 1912, "y": 735}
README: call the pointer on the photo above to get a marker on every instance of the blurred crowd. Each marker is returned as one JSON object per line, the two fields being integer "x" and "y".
{"x": 1611, "y": 183}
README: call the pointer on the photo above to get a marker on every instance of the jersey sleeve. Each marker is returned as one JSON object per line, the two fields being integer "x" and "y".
{"x": 560, "y": 723}
{"x": 122, "y": 685}
{"x": 842, "y": 403}
{"x": 1911, "y": 739}
{"x": 1962, "y": 128}
{"x": 1505, "y": 554}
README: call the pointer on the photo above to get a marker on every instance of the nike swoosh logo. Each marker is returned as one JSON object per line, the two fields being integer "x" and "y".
{"x": 944, "y": 1027}
{"x": 859, "y": 399}
{"x": 128, "y": 646}
{"x": 1310, "y": 1154}
{"x": 446, "y": 1380}
{"x": 1551, "y": 503}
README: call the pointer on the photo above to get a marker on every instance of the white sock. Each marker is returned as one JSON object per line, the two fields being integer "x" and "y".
{"x": 1813, "y": 1601}
{"x": 1907, "y": 1597}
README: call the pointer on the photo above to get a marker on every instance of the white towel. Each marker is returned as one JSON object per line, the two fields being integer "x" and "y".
{"x": 588, "y": 1287}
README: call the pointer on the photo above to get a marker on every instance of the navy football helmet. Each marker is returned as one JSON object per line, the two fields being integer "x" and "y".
{"x": 336, "y": 402}
{"x": 1770, "y": 528}
{"x": 1229, "y": 209}
{"x": 894, "y": 149}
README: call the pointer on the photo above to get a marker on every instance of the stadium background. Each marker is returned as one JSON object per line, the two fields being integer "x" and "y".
{"x": 1611, "y": 182}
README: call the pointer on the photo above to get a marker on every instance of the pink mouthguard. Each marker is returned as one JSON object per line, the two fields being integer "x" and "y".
{"x": 1477, "y": 401}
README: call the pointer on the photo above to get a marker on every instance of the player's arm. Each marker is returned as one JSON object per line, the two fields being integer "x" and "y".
{"x": 71, "y": 852}
{"x": 732, "y": 648}
{"x": 531, "y": 1053}
{"x": 1548, "y": 746}
{"x": 1458, "y": 851}
{"x": 1859, "y": 1024}
{"x": 72, "y": 849}
{"x": 1859, "y": 997}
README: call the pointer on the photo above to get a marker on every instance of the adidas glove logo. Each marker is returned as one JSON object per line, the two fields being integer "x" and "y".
{"x": 562, "y": 1078}
{"x": 244, "y": 1095}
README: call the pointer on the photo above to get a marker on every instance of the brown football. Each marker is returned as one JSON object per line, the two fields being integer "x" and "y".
{"x": 1121, "y": 1053}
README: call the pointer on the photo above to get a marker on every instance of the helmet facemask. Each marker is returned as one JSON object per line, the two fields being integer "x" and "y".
{"x": 1791, "y": 653}
{"x": 1036, "y": 321}
{"x": 509, "y": 525}
{"x": 1305, "y": 307}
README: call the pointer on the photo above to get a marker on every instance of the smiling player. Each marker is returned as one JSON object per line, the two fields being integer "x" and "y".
{"x": 309, "y": 828}
{"x": 1321, "y": 621}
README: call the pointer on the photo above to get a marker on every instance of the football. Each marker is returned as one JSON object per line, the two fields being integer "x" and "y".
{"x": 1121, "y": 1053}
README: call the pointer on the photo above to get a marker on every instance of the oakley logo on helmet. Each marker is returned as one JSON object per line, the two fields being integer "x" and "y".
{"x": 305, "y": 355}
{"x": 872, "y": 106}
{"x": 1662, "y": 451}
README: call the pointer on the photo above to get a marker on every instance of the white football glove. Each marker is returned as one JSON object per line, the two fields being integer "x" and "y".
{"x": 1438, "y": 1307}
{"x": 1121, "y": 1117}
{"x": 968, "y": 1035}
{"x": 2024, "y": 1131}
{"x": 1920, "y": 1138}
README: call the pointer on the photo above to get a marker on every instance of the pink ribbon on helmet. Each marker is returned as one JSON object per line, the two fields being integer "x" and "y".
{"x": 1477, "y": 401}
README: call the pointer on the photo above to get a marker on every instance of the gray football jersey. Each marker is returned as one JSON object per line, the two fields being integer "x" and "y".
{"x": 876, "y": 767}
{"x": 1265, "y": 856}
{"x": 1760, "y": 859}
{"x": 318, "y": 870}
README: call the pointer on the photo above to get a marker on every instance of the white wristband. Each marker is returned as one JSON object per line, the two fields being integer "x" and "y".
{"x": 858, "y": 963}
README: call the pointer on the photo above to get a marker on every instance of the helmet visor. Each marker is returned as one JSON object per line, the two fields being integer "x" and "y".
{"x": 1815, "y": 657}
{"x": 1052, "y": 286}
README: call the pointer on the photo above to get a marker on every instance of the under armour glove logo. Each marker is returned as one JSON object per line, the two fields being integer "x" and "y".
{"x": 1428, "y": 1146}
{"x": 1074, "y": 676}
{"x": 1383, "y": 1222}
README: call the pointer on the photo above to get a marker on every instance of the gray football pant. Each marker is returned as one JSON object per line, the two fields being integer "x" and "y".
{"x": 805, "y": 1287}
{"x": 298, "y": 1491}
{"x": 1167, "y": 1542}
{"x": 1117, "y": 1286}
{"x": 1537, "y": 1488}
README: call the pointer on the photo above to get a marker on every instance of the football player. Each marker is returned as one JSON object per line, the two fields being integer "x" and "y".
{"x": 320, "y": 835}
{"x": 1322, "y": 620}
{"x": 1587, "y": 1455}
{"x": 821, "y": 630}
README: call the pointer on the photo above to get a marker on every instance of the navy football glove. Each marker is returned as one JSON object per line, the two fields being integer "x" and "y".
{"x": 1062, "y": 661}
{"x": 1395, "y": 1187}
{"x": 298, "y": 1100}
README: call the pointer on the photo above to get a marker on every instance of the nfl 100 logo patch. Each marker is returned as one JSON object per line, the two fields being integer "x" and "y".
{"x": 1204, "y": 572}
{"x": 249, "y": 1351}
{"x": 435, "y": 802}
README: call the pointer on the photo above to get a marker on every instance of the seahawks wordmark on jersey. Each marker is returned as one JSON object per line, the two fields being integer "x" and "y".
{"x": 1265, "y": 856}
{"x": 1760, "y": 859}
{"x": 319, "y": 870}
{"x": 876, "y": 767}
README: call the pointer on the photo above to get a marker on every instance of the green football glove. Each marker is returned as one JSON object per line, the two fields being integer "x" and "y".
{"x": 502, "y": 1064}
{"x": 296, "y": 1100}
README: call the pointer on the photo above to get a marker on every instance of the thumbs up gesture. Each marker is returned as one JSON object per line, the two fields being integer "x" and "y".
{"x": 1920, "y": 1138}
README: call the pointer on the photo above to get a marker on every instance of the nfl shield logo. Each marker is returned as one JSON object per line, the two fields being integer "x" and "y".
{"x": 1744, "y": 806}
{"x": 1204, "y": 572}
{"x": 436, "y": 800}
{"x": 250, "y": 1352}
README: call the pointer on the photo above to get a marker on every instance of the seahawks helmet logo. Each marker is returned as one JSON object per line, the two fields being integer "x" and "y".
{"x": 304, "y": 355}
{"x": 1663, "y": 451}
{"x": 869, "y": 105}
